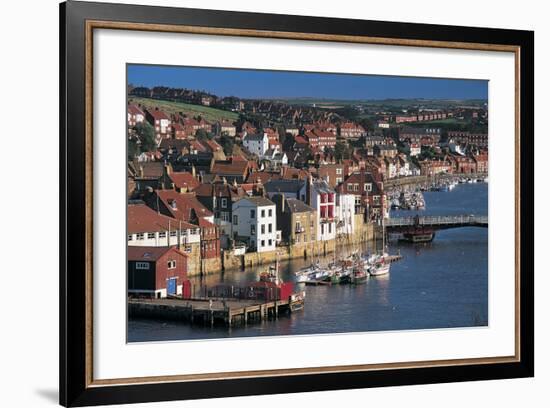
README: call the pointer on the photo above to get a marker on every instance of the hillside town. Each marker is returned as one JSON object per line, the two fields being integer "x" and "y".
{"x": 217, "y": 183}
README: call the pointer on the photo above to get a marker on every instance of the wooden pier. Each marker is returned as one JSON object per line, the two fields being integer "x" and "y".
{"x": 212, "y": 312}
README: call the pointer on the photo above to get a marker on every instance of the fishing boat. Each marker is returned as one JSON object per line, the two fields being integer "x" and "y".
{"x": 359, "y": 275}
{"x": 376, "y": 264}
{"x": 379, "y": 267}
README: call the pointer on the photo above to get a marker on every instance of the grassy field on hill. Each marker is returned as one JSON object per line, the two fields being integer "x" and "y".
{"x": 210, "y": 114}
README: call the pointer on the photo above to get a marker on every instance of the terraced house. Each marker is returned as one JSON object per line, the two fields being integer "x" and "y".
{"x": 255, "y": 222}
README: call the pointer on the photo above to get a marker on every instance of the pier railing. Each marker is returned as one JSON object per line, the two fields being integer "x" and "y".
{"x": 438, "y": 221}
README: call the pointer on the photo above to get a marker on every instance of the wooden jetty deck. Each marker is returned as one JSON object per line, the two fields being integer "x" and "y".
{"x": 212, "y": 312}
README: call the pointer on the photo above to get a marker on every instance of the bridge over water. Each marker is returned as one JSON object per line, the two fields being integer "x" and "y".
{"x": 422, "y": 229}
{"x": 437, "y": 222}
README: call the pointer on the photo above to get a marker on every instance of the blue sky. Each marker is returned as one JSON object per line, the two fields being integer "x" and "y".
{"x": 280, "y": 84}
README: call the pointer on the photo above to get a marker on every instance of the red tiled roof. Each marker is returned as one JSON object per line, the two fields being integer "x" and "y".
{"x": 134, "y": 110}
{"x": 143, "y": 219}
{"x": 177, "y": 127}
{"x": 158, "y": 114}
{"x": 184, "y": 179}
{"x": 184, "y": 203}
{"x": 213, "y": 145}
{"x": 196, "y": 145}
{"x": 300, "y": 140}
{"x": 230, "y": 167}
{"x": 143, "y": 253}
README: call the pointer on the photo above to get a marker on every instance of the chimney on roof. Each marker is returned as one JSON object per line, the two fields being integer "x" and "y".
{"x": 309, "y": 184}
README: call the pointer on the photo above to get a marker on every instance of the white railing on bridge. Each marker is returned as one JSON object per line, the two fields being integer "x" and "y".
{"x": 437, "y": 220}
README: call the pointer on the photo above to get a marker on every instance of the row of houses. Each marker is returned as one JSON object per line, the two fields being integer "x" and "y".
{"x": 176, "y": 126}
{"x": 456, "y": 164}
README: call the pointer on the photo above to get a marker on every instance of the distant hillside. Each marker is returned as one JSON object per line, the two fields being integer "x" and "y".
{"x": 210, "y": 114}
{"x": 427, "y": 103}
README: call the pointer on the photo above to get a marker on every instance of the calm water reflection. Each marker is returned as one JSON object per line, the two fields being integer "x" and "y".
{"x": 437, "y": 285}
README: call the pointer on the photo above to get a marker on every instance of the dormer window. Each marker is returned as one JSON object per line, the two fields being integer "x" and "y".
{"x": 173, "y": 205}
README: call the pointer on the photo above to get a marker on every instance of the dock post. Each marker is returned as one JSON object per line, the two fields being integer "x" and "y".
{"x": 276, "y": 310}
{"x": 245, "y": 316}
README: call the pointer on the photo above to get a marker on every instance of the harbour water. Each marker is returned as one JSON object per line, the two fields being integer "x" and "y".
{"x": 441, "y": 284}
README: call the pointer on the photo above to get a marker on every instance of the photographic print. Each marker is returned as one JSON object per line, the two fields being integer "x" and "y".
{"x": 267, "y": 203}
{"x": 315, "y": 186}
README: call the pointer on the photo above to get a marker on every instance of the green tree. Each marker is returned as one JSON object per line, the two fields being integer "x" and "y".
{"x": 133, "y": 149}
{"x": 226, "y": 143}
{"x": 340, "y": 150}
{"x": 146, "y": 135}
{"x": 203, "y": 135}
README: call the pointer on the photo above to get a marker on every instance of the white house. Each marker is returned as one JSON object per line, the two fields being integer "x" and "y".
{"x": 257, "y": 144}
{"x": 255, "y": 219}
{"x": 275, "y": 157}
{"x": 321, "y": 196}
{"x": 391, "y": 167}
{"x": 455, "y": 148}
{"x": 414, "y": 149}
{"x": 345, "y": 211}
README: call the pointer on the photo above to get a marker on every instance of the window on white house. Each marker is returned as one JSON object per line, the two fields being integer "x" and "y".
{"x": 130, "y": 237}
{"x": 150, "y": 235}
{"x": 142, "y": 265}
{"x": 140, "y": 236}
{"x": 270, "y": 228}
{"x": 270, "y": 212}
{"x": 173, "y": 233}
{"x": 270, "y": 242}
{"x": 263, "y": 242}
{"x": 263, "y": 213}
{"x": 162, "y": 235}
{"x": 263, "y": 229}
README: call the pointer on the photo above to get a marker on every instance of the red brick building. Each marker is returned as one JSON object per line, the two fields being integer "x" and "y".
{"x": 464, "y": 164}
{"x": 321, "y": 139}
{"x": 186, "y": 207}
{"x": 157, "y": 272}
{"x": 333, "y": 174}
{"x": 482, "y": 163}
{"x": 432, "y": 167}
{"x": 369, "y": 193}
{"x": 350, "y": 130}
{"x": 467, "y": 138}
{"x": 160, "y": 122}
